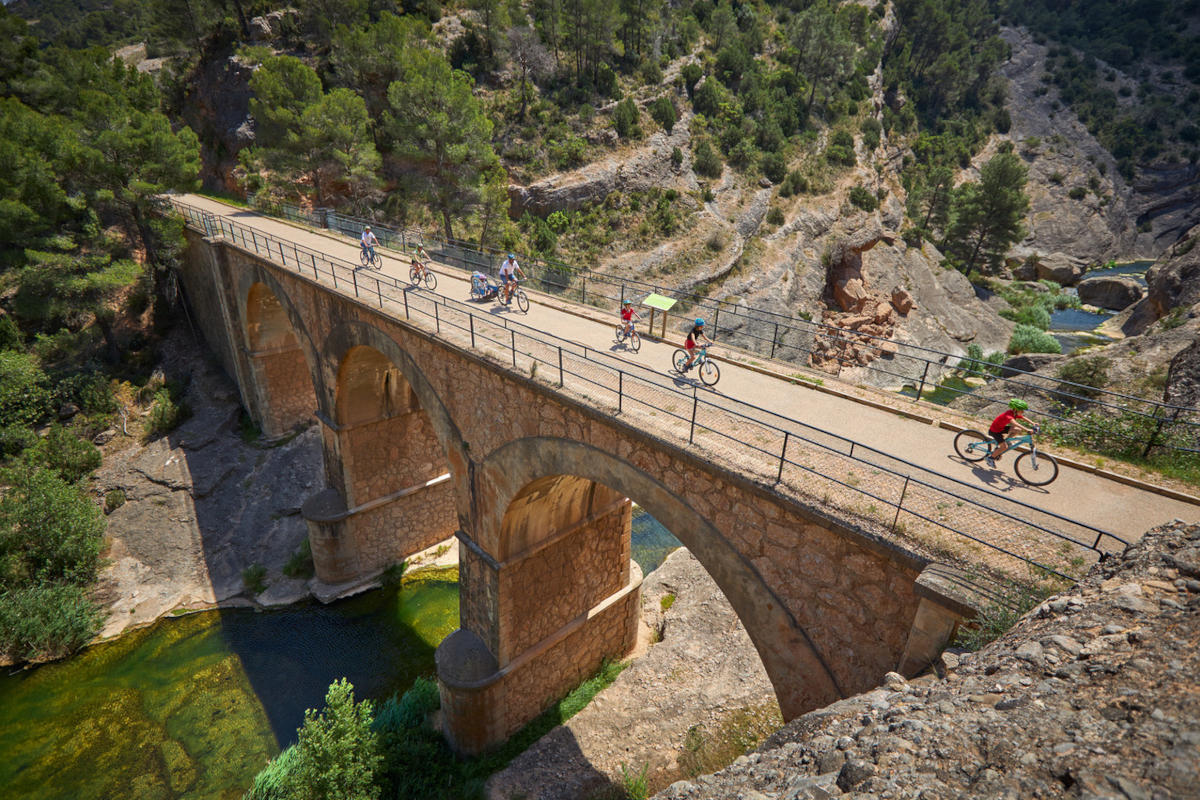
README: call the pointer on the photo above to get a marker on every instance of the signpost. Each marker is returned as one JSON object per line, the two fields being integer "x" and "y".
{"x": 657, "y": 302}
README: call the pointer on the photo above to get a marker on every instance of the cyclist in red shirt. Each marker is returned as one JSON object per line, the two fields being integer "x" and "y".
{"x": 628, "y": 315}
{"x": 1003, "y": 424}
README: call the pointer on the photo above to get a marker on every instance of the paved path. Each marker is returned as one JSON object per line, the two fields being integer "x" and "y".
{"x": 1127, "y": 511}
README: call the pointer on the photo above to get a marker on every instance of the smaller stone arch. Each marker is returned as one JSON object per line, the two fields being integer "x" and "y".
{"x": 282, "y": 393}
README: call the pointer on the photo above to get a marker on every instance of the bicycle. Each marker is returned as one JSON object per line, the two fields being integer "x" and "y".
{"x": 420, "y": 272}
{"x": 516, "y": 293}
{"x": 710, "y": 373}
{"x": 370, "y": 258}
{"x": 1033, "y": 467}
{"x": 627, "y": 331}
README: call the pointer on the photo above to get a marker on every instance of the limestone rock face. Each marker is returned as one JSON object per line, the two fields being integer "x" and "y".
{"x": 1062, "y": 269}
{"x": 218, "y": 110}
{"x": 1113, "y": 293}
{"x": 1175, "y": 279}
{"x": 1183, "y": 381}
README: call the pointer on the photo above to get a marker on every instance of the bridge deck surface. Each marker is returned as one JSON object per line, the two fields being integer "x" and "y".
{"x": 1091, "y": 499}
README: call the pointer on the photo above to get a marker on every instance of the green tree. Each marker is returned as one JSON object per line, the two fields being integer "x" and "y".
{"x": 930, "y": 200}
{"x": 589, "y": 34}
{"x": 495, "y": 18}
{"x": 371, "y": 58}
{"x": 821, "y": 49}
{"x": 988, "y": 215}
{"x": 663, "y": 112}
{"x": 338, "y": 753}
{"x": 626, "y": 118}
{"x": 439, "y": 127}
{"x": 494, "y": 206}
{"x": 321, "y": 18}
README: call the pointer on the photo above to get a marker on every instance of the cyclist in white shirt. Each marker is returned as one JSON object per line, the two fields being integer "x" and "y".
{"x": 369, "y": 241}
{"x": 509, "y": 270}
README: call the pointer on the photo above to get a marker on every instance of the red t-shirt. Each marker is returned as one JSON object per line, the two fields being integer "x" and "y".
{"x": 627, "y": 314}
{"x": 1001, "y": 423}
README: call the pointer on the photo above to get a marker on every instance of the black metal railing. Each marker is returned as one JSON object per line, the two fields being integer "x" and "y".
{"x": 791, "y": 456}
{"x": 796, "y": 340}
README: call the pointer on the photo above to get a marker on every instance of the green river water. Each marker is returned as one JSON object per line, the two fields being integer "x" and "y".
{"x": 192, "y": 707}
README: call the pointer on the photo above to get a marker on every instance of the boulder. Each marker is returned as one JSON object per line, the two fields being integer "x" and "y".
{"x": 1113, "y": 293}
{"x": 260, "y": 30}
{"x": 104, "y": 437}
{"x": 850, "y": 294}
{"x": 1175, "y": 279}
{"x": 1060, "y": 268}
{"x": 67, "y": 411}
{"x": 1025, "y": 271}
{"x": 1029, "y": 362}
{"x": 902, "y": 300}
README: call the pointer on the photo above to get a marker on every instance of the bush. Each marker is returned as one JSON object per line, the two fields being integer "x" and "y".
{"x": 794, "y": 183}
{"x": 1032, "y": 316}
{"x": 1078, "y": 193}
{"x": 46, "y": 622}
{"x": 676, "y": 157}
{"x": 870, "y": 130}
{"x": 300, "y": 565}
{"x": 841, "y": 149}
{"x": 1090, "y": 373}
{"x": 1057, "y": 177}
{"x": 68, "y": 455}
{"x": 705, "y": 160}
{"x": 254, "y": 578}
{"x": 166, "y": 415}
{"x": 1028, "y": 339}
{"x": 774, "y": 167}
{"x": 10, "y": 337}
{"x": 113, "y": 500}
{"x": 775, "y": 216}
{"x": 625, "y": 119}
{"x": 49, "y": 530}
{"x": 863, "y": 199}
{"x": 692, "y": 73}
{"x": 662, "y": 111}
{"x": 24, "y": 390}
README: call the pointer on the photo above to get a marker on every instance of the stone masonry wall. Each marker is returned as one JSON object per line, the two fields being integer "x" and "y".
{"x": 203, "y": 296}
{"x": 390, "y": 454}
{"x": 390, "y": 533}
{"x": 542, "y": 593}
{"x": 287, "y": 390}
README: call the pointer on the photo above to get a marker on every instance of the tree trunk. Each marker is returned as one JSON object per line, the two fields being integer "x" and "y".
{"x": 145, "y": 234}
{"x": 241, "y": 12}
{"x": 110, "y": 338}
{"x": 446, "y": 221}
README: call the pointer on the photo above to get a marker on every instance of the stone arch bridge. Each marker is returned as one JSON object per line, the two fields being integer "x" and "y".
{"x": 424, "y": 439}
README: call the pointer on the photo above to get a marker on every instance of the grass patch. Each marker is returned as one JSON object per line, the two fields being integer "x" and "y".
{"x": 253, "y": 577}
{"x": 707, "y": 751}
{"x": 300, "y": 565}
{"x": 667, "y": 601}
{"x": 113, "y": 500}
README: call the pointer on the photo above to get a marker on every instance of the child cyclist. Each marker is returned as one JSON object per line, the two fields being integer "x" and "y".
{"x": 1002, "y": 426}
{"x": 695, "y": 334}
{"x": 628, "y": 315}
{"x": 421, "y": 259}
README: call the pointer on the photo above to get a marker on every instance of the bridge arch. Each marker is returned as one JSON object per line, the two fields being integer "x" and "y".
{"x": 386, "y": 441}
{"x": 278, "y": 353}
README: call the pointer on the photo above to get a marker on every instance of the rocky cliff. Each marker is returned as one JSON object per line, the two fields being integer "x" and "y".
{"x": 1092, "y": 694}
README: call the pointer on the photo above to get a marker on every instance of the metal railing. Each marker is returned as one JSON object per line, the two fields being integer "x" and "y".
{"x": 787, "y": 338}
{"x": 881, "y": 492}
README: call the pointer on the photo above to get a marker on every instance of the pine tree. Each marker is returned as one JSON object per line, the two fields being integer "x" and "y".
{"x": 988, "y": 215}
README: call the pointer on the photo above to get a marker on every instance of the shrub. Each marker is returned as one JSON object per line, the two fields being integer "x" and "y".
{"x": 775, "y": 216}
{"x": 24, "y": 390}
{"x": 863, "y": 199}
{"x": 253, "y": 578}
{"x": 676, "y": 157}
{"x": 705, "y": 160}
{"x": 1028, "y": 339}
{"x": 870, "y": 130}
{"x": 300, "y": 565}
{"x": 46, "y": 622}
{"x": 558, "y": 221}
{"x": 68, "y": 455}
{"x": 1090, "y": 373}
{"x": 10, "y": 337}
{"x": 625, "y": 119}
{"x": 167, "y": 414}
{"x": 692, "y": 73}
{"x": 113, "y": 500}
{"x": 662, "y": 111}
{"x": 774, "y": 167}
{"x": 1057, "y": 177}
{"x": 1078, "y": 193}
{"x": 1032, "y": 316}
{"x": 794, "y": 183}
{"x": 337, "y": 756}
{"x": 841, "y": 149}
{"x": 49, "y": 530}
{"x": 15, "y": 439}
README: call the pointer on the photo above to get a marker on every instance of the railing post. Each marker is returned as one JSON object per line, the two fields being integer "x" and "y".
{"x": 774, "y": 339}
{"x": 471, "y": 320}
{"x": 514, "y": 347}
{"x": 695, "y": 403}
{"x": 561, "y": 381}
{"x": 585, "y": 290}
{"x": 852, "y": 449}
{"x": 783, "y": 456}
{"x": 406, "y": 314}
{"x": 900, "y": 504}
{"x": 622, "y": 295}
{"x": 354, "y": 277}
{"x": 379, "y": 292}
{"x": 717, "y": 320}
{"x": 437, "y": 318}
{"x": 921, "y": 388}
{"x": 620, "y": 390}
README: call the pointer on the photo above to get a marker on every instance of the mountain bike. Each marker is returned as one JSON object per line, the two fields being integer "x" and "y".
{"x": 630, "y": 333}
{"x": 709, "y": 372}
{"x": 370, "y": 258}
{"x": 516, "y": 293}
{"x": 420, "y": 272}
{"x": 1033, "y": 467}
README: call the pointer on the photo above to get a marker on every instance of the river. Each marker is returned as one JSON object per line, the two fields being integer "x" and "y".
{"x": 192, "y": 707}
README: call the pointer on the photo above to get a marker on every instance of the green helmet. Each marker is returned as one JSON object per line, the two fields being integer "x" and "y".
{"x": 1018, "y": 405}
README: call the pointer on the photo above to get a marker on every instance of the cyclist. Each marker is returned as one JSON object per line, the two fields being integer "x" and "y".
{"x": 420, "y": 260}
{"x": 628, "y": 315}
{"x": 509, "y": 270}
{"x": 695, "y": 333}
{"x": 1001, "y": 426}
{"x": 369, "y": 242}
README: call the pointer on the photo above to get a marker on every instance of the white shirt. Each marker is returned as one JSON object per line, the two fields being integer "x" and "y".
{"x": 508, "y": 267}
{"x": 368, "y": 238}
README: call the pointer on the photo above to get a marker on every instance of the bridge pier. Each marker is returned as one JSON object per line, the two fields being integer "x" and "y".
{"x": 562, "y": 596}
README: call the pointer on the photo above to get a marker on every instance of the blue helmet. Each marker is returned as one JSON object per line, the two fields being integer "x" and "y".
{"x": 510, "y": 255}
{"x": 699, "y": 320}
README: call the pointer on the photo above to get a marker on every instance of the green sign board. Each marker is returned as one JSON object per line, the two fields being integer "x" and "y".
{"x": 659, "y": 302}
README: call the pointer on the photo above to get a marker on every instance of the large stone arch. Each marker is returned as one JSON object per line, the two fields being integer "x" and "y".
{"x": 801, "y": 678}
{"x": 386, "y": 441}
{"x": 278, "y": 355}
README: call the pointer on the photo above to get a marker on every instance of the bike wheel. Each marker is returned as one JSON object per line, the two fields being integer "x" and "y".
{"x": 364, "y": 257}
{"x": 635, "y": 341}
{"x": 710, "y": 373}
{"x": 414, "y": 276}
{"x": 377, "y": 261}
{"x": 1036, "y": 469}
{"x": 430, "y": 280}
{"x": 972, "y": 445}
{"x": 522, "y": 301}
{"x": 620, "y": 333}
{"x": 678, "y": 360}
